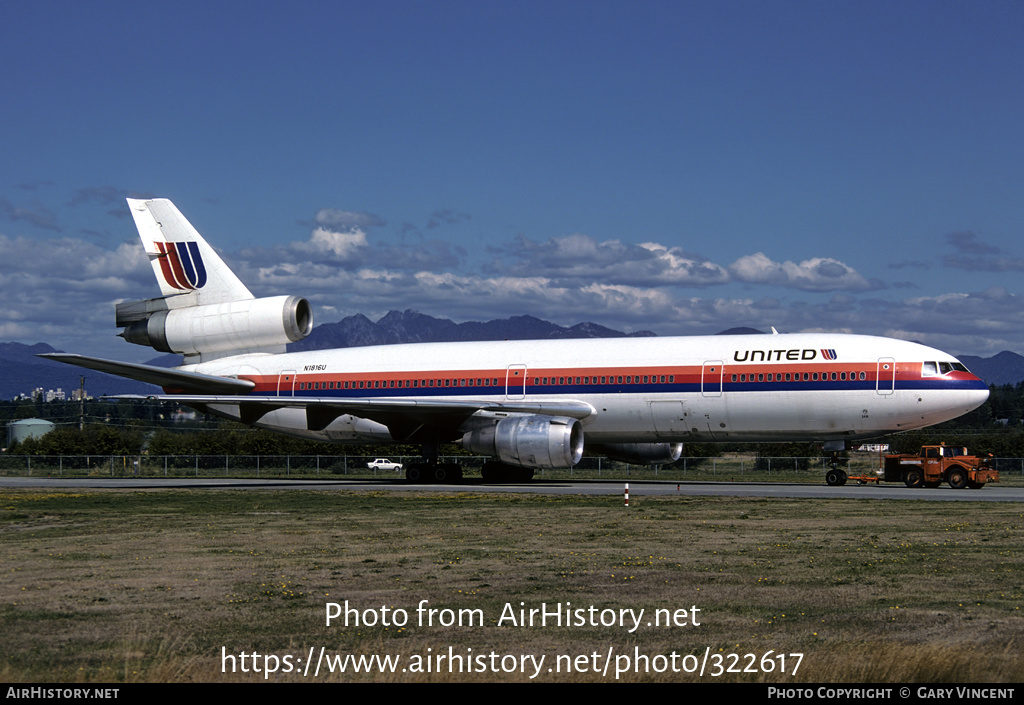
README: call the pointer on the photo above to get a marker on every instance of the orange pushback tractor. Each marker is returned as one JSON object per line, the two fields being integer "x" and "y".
{"x": 937, "y": 464}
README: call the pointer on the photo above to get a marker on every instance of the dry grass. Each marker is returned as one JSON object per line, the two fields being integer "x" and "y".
{"x": 148, "y": 586}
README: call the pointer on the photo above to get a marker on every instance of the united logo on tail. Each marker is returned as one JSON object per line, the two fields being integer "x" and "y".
{"x": 181, "y": 265}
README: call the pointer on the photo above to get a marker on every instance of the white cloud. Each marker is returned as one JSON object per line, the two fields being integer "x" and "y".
{"x": 582, "y": 258}
{"x": 815, "y": 274}
{"x": 62, "y": 290}
{"x": 343, "y": 244}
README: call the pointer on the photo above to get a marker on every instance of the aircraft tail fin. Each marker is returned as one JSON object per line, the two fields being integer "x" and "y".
{"x": 186, "y": 267}
{"x": 206, "y": 312}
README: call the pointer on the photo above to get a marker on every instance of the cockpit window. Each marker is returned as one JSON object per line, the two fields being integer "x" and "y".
{"x": 929, "y": 369}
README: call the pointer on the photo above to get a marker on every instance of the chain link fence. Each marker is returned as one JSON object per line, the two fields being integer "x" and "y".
{"x": 734, "y": 468}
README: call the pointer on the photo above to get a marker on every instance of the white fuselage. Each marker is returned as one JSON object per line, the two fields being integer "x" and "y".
{"x": 825, "y": 387}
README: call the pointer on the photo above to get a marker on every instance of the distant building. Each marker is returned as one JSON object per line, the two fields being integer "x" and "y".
{"x": 181, "y": 416}
{"x": 872, "y": 448}
{"x": 58, "y": 394}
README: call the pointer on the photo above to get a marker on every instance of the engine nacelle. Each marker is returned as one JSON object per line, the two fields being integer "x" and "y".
{"x": 642, "y": 453}
{"x": 530, "y": 441}
{"x": 239, "y": 325}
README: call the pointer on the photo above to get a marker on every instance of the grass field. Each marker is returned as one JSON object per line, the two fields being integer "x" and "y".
{"x": 160, "y": 585}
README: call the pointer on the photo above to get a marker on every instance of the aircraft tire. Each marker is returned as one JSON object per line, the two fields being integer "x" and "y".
{"x": 835, "y": 478}
{"x": 447, "y": 472}
{"x": 414, "y": 474}
{"x": 957, "y": 478}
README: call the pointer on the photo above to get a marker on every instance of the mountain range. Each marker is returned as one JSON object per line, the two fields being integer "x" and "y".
{"x": 23, "y": 371}
{"x": 415, "y": 327}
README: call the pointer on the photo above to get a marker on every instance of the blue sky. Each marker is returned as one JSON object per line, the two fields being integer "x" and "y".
{"x": 681, "y": 167}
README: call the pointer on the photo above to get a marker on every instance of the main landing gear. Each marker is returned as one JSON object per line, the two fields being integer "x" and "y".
{"x": 431, "y": 470}
{"x": 834, "y": 476}
{"x": 421, "y": 473}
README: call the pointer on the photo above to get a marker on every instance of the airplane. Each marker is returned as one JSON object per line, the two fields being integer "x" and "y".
{"x": 527, "y": 405}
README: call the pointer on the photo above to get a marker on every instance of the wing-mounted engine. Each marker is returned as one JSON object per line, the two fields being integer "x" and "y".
{"x": 642, "y": 453}
{"x": 213, "y": 330}
{"x": 533, "y": 441}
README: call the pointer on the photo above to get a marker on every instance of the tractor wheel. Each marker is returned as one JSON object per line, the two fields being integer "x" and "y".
{"x": 957, "y": 478}
{"x": 912, "y": 477}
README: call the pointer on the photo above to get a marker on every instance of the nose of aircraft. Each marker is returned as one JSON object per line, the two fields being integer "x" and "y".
{"x": 973, "y": 392}
{"x": 977, "y": 396}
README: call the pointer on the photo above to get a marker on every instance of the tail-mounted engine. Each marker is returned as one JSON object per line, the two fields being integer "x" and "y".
{"x": 530, "y": 441}
{"x": 239, "y": 326}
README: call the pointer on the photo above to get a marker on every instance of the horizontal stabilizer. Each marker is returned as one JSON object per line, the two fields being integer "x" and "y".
{"x": 190, "y": 382}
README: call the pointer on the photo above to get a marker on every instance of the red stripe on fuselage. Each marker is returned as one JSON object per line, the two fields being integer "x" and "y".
{"x": 689, "y": 375}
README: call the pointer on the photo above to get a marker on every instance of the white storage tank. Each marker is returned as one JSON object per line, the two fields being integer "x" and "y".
{"x": 18, "y": 431}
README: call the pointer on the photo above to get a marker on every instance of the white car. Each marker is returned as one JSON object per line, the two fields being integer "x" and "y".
{"x": 384, "y": 464}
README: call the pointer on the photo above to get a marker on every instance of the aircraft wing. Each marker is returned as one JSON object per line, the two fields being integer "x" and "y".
{"x": 404, "y": 416}
{"x": 160, "y": 376}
